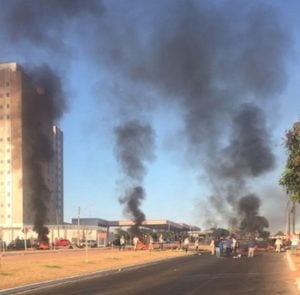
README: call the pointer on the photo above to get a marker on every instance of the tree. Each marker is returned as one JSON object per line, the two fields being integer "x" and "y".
{"x": 290, "y": 178}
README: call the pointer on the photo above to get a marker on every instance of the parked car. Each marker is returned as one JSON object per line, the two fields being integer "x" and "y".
{"x": 43, "y": 245}
{"x": 2, "y": 245}
{"x": 89, "y": 243}
{"x": 62, "y": 243}
{"x": 19, "y": 244}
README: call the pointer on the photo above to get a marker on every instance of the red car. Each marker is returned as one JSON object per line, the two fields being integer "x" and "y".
{"x": 62, "y": 243}
{"x": 42, "y": 246}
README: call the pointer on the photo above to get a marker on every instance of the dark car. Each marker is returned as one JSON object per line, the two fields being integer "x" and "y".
{"x": 19, "y": 245}
{"x": 89, "y": 243}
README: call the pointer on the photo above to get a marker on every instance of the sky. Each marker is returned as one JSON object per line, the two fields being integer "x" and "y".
{"x": 170, "y": 109}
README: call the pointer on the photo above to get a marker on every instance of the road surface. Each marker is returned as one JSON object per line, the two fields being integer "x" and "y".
{"x": 266, "y": 273}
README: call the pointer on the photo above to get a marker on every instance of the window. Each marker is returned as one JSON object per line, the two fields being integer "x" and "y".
{"x": 7, "y": 84}
{"x": 8, "y": 105}
{"x": 8, "y": 138}
{"x": 7, "y": 94}
{"x": 8, "y": 117}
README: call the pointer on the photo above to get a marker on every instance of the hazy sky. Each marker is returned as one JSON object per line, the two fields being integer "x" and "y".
{"x": 188, "y": 100}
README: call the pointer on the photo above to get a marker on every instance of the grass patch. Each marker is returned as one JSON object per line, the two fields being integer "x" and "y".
{"x": 51, "y": 266}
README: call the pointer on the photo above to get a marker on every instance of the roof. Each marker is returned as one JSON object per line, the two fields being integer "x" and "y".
{"x": 160, "y": 224}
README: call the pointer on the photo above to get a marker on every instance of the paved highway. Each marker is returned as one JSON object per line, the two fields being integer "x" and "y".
{"x": 266, "y": 273}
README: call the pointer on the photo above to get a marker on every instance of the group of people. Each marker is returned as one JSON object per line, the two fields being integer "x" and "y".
{"x": 229, "y": 247}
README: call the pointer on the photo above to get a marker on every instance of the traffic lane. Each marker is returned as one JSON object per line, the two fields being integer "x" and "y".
{"x": 266, "y": 273}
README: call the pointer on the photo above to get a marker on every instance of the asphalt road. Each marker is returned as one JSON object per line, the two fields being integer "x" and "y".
{"x": 266, "y": 273}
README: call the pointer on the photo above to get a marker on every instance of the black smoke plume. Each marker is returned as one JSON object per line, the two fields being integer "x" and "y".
{"x": 44, "y": 105}
{"x": 251, "y": 223}
{"x": 134, "y": 147}
{"x": 213, "y": 59}
{"x": 45, "y": 23}
{"x": 221, "y": 64}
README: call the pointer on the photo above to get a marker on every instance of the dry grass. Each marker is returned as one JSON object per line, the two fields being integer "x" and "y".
{"x": 21, "y": 269}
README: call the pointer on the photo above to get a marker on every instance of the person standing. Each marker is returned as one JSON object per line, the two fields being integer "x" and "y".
{"x": 196, "y": 245}
{"x": 135, "y": 242}
{"x": 212, "y": 247}
{"x": 228, "y": 247}
{"x": 186, "y": 244}
{"x": 122, "y": 243}
{"x": 150, "y": 243}
{"x": 278, "y": 245}
{"x": 217, "y": 248}
{"x": 251, "y": 246}
{"x": 234, "y": 246}
{"x": 161, "y": 242}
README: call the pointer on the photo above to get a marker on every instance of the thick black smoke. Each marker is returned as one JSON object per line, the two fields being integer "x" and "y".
{"x": 45, "y": 23}
{"x": 251, "y": 223}
{"x": 28, "y": 27}
{"x": 45, "y": 104}
{"x": 222, "y": 64}
{"x": 134, "y": 147}
{"x": 247, "y": 155}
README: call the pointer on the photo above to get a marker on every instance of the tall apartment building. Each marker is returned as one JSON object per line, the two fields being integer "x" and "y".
{"x": 29, "y": 186}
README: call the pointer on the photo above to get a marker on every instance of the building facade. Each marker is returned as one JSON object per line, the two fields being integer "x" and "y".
{"x": 30, "y": 184}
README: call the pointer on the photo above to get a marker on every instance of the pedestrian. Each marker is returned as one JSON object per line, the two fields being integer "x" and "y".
{"x": 278, "y": 245}
{"x": 217, "y": 248}
{"x": 294, "y": 242}
{"x": 135, "y": 242}
{"x": 161, "y": 242}
{"x": 221, "y": 246}
{"x": 150, "y": 243}
{"x": 251, "y": 246}
{"x": 122, "y": 243}
{"x": 212, "y": 247}
{"x": 186, "y": 244}
{"x": 196, "y": 245}
{"x": 228, "y": 247}
{"x": 234, "y": 246}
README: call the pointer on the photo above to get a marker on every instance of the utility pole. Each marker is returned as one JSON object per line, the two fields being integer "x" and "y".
{"x": 78, "y": 226}
{"x": 294, "y": 217}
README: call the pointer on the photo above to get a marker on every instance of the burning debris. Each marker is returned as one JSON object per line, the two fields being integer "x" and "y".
{"x": 134, "y": 146}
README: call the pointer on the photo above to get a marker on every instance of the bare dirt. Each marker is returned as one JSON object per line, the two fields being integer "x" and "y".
{"x": 17, "y": 269}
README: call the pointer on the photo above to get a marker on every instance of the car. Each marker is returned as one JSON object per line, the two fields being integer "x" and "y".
{"x": 43, "y": 245}
{"x": 89, "y": 243}
{"x": 264, "y": 246}
{"x": 62, "y": 243}
{"x": 19, "y": 244}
